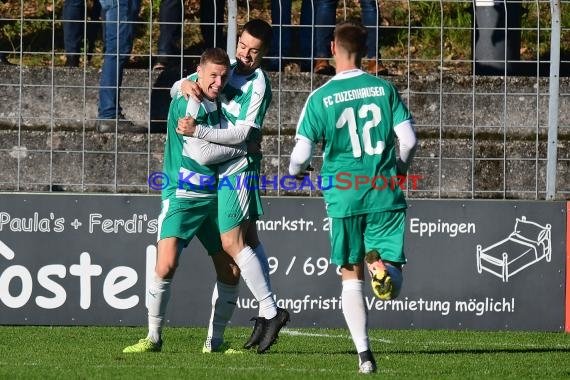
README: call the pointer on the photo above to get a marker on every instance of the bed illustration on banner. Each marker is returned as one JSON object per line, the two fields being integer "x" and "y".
{"x": 527, "y": 244}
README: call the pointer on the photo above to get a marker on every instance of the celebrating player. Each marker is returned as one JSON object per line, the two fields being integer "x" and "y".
{"x": 245, "y": 101}
{"x": 188, "y": 207}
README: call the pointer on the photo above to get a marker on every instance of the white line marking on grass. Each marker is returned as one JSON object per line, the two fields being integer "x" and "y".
{"x": 301, "y": 333}
{"x": 322, "y": 335}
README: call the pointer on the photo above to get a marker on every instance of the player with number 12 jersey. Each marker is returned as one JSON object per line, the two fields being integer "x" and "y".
{"x": 356, "y": 113}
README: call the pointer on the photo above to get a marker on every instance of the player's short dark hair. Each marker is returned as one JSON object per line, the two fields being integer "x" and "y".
{"x": 261, "y": 30}
{"x": 351, "y": 36}
{"x": 215, "y": 55}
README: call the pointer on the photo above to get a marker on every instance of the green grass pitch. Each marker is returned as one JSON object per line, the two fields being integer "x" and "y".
{"x": 95, "y": 353}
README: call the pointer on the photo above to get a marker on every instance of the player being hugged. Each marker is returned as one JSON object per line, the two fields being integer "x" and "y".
{"x": 188, "y": 208}
{"x": 245, "y": 101}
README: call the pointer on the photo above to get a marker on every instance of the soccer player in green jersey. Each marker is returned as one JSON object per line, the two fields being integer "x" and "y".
{"x": 359, "y": 116}
{"x": 245, "y": 101}
{"x": 189, "y": 201}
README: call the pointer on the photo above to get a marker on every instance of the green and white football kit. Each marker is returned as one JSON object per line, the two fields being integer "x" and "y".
{"x": 189, "y": 205}
{"x": 356, "y": 115}
{"x": 189, "y": 201}
{"x": 245, "y": 100}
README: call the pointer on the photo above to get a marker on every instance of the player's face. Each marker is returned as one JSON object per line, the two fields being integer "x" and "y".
{"x": 212, "y": 78}
{"x": 249, "y": 53}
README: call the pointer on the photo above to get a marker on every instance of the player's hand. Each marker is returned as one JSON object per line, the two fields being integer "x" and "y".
{"x": 190, "y": 89}
{"x": 301, "y": 176}
{"x": 186, "y": 126}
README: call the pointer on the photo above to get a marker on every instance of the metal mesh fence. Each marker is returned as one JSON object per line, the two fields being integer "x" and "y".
{"x": 486, "y": 81}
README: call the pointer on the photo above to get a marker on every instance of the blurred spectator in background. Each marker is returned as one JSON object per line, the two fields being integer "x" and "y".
{"x": 120, "y": 17}
{"x": 212, "y": 23}
{"x": 170, "y": 18}
{"x": 285, "y": 37}
{"x": 325, "y": 14}
{"x": 74, "y": 29}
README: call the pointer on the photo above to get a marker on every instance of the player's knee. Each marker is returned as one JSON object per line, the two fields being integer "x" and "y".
{"x": 227, "y": 245}
{"x": 165, "y": 269}
{"x": 232, "y": 245}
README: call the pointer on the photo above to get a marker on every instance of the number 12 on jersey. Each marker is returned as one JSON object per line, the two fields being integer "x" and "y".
{"x": 348, "y": 118}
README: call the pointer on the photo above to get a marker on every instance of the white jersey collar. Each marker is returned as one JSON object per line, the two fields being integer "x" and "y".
{"x": 348, "y": 74}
